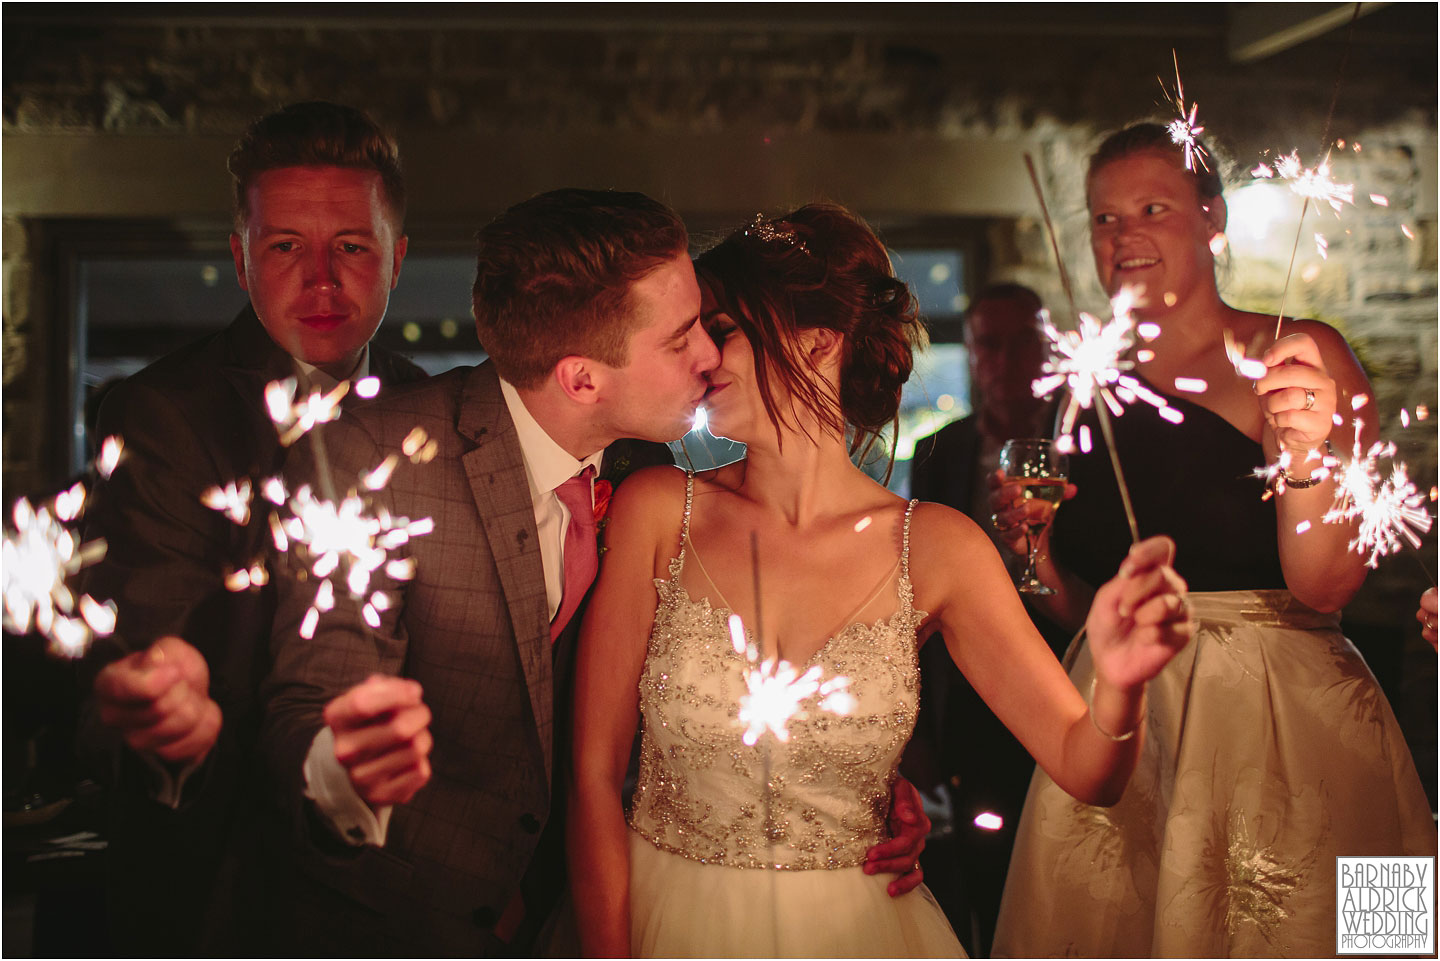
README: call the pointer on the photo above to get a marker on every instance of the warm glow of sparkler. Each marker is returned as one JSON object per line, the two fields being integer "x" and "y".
{"x": 1246, "y": 367}
{"x": 775, "y": 693}
{"x": 1091, "y": 362}
{"x": 110, "y": 450}
{"x": 1184, "y": 131}
{"x": 989, "y": 821}
{"x": 862, "y": 523}
{"x": 1312, "y": 183}
{"x": 294, "y": 417}
{"x": 1387, "y": 509}
{"x": 1191, "y": 385}
{"x": 232, "y": 500}
{"x": 345, "y": 540}
{"x": 37, "y": 558}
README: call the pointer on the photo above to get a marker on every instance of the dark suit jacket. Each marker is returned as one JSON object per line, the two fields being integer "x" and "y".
{"x": 194, "y": 419}
{"x": 472, "y": 627}
{"x": 943, "y": 468}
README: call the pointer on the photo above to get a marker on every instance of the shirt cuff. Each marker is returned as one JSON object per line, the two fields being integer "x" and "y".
{"x": 327, "y": 783}
{"x": 168, "y": 785}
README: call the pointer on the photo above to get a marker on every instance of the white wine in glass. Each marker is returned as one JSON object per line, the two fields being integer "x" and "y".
{"x": 1040, "y": 471}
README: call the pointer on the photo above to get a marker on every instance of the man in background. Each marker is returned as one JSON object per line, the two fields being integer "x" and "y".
{"x": 318, "y": 245}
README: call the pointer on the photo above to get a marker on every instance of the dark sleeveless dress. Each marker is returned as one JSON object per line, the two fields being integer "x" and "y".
{"x": 1191, "y": 481}
{"x": 1269, "y": 748}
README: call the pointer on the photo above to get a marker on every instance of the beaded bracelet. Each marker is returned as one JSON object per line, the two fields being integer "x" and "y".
{"x": 1096, "y": 724}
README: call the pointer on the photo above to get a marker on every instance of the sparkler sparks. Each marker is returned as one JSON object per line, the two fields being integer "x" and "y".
{"x": 776, "y": 692}
{"x": 294, "y": 417}
{"x": 1091, "y": 362}
{"x": 37, "y": 558}
{"x": 344, "y": 540}
{"x": 1388, "y": 509}
{"x": 1183, "y": 130}
{"x": 1312, "y": 183}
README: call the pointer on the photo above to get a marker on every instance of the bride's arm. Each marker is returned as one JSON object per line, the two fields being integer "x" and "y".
{"x": 1136, "y": 624}
{"x": 611, "y": 655}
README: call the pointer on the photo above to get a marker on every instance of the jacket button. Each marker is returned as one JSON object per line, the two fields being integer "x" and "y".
{"x": 530, "y": 823}
{"x": 485, "y": 917}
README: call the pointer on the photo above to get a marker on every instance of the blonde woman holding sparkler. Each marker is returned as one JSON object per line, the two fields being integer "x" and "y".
{"x": 739, "y": 848}
{"x": 1269, "y": 747}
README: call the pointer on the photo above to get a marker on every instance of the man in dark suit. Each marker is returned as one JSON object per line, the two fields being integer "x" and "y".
{"x": 588, "y": 305}
{"x": 318, "y": 245}
{"x": 961, "y": 742}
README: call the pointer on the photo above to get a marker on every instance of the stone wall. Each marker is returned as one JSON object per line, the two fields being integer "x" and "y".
{"x": 1052, "y": 75}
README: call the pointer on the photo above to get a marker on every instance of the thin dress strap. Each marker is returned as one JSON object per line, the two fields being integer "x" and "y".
{"x": 905, "y": 542}
{"x": 685, "y": 520}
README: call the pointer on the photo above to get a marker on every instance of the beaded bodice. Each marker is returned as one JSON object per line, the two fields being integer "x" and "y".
{"x": 702, "y": 792}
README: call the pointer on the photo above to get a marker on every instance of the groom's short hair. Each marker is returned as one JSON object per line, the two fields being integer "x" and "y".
{"x": 553, "y": 277}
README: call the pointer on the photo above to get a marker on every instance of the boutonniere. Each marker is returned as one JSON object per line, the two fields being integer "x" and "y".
{"x": 603, "y": 490}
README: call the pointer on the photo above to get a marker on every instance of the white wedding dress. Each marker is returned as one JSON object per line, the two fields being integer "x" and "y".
{"x": 722, "y": 867}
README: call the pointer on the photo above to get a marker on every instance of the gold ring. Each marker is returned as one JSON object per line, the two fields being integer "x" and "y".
{"x": 1309, "y": 399}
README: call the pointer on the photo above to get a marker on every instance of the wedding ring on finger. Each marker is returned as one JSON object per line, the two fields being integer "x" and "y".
{"x": 1309, "y": 399}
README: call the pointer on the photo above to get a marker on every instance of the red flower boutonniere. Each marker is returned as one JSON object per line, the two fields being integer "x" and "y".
{"x": 603, "y": 490}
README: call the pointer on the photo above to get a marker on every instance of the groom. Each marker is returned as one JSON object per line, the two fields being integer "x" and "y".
{"x": 588, "y": 306}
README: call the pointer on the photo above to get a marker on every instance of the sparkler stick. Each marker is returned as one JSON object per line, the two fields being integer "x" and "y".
{"x": 1100, "y": 409}
{"x": 1325, "y": 146}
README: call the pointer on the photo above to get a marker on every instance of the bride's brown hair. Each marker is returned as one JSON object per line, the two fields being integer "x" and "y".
{"x": 819, "y": 267}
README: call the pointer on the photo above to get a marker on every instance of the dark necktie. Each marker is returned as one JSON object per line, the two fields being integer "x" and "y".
{"x": 581, "y": 559}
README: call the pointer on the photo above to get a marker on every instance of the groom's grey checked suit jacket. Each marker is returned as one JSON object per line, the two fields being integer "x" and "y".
{"x": 472, "y": 627}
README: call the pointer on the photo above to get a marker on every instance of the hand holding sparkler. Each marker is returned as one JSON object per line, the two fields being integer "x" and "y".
{"x": 1139, "y": 619}
{"x": 1427, "y": 614}
{"x": 159, "y": 700}
{"x": 1297, "y": 395}
{"x": 382, "y": 738}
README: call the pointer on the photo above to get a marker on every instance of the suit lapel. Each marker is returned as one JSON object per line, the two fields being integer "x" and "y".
{"x": 495, "y": 469}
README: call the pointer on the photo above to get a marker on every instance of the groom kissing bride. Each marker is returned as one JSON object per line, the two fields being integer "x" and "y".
{"x": 423, "y": 764}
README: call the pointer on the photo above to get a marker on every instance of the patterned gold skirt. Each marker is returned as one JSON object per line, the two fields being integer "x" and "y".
{"x": 1269, "y": 750}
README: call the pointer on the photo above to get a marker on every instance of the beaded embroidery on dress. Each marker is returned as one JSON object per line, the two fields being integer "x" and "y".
{"x": 701, "y": 797}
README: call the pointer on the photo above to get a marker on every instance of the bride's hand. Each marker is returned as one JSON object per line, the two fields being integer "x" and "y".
{"x": 1140, "y": 618}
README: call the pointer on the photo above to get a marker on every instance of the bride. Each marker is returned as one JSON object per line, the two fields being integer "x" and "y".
{"x": 734, "y": 849}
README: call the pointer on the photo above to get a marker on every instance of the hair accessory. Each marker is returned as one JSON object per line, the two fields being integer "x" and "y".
{"x": 773, "y": 231}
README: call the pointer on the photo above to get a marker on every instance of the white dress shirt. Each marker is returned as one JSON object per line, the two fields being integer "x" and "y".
{"x": 547, "y": 466}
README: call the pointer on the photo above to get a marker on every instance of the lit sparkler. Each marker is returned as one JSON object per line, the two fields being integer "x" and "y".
{"x": 776, "y": 693}
{"x": 294, "y": 417}
{"x": 1092, "y": 362}
{"x": 1184, "y": 131}
{"x": 1312, "y": 183}
{"x": 1388, "y": 509}
{"x": 37, "y": 558}
{"x": 345, "y": 540}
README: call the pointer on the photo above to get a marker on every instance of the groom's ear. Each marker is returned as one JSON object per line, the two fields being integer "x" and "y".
{"x": 576, "y": 376}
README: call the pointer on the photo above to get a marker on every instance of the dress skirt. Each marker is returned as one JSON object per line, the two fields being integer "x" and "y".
{"x": 1269, "y": 750}
{"x": 681, "y": 908}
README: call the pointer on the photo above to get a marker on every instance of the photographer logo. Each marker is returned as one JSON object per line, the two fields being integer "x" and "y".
{"x": 1384, "y": 905}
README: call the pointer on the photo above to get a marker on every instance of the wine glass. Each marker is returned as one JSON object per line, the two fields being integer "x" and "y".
{"x": 1040, "y": 471}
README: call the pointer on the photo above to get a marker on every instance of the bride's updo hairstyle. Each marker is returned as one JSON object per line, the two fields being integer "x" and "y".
{"x": 1151, "y": 137}
{"x": 819, "y": 267}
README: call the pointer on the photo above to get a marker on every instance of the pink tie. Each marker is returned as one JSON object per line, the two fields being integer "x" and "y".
{"x": 581, "y": 559}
